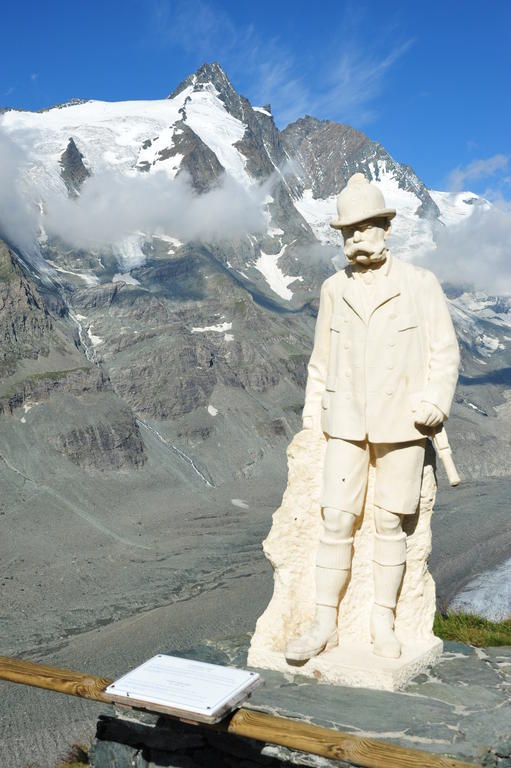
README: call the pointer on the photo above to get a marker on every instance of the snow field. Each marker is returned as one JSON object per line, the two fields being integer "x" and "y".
{"x": 267, "y": 265}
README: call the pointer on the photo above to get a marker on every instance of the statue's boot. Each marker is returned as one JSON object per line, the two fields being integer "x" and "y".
{"x": 333, "y": 563}
{"x": 388, "y": 568}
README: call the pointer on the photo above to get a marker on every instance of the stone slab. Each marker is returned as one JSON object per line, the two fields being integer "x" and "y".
{"x": 460, "y": 708}
{"x": 355, "y": 664}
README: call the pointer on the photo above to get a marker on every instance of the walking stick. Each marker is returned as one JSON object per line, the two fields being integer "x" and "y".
{"x": 443, "y": 449}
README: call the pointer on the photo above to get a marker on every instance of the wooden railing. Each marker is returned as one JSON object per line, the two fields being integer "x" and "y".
{"x": 304, "y": 737}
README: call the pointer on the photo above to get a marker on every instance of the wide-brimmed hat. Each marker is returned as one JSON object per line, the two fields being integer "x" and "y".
{"x": 358, "y": 201}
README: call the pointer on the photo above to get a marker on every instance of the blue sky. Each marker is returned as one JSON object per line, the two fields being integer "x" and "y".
{"x": 430, "y": 81}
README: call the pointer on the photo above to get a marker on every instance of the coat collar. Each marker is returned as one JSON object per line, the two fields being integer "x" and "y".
{"x": 387, "y": 288}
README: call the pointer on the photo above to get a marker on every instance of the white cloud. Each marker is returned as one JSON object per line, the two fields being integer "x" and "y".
{"x": 461, "y": 177}
{"x": 356, "y": 80}
{"x": 196, "y": 27}
{"x": 477, "y": 251}
{"x": 18, "y": 216}
{"x": 114, "y": 207}
{"x": 275, "y": 80}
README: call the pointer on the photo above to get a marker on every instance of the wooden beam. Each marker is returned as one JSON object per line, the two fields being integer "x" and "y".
{"x": 54, "y": 679}
{"x": 293, "y": 734}
{"x": 358, "y": 750}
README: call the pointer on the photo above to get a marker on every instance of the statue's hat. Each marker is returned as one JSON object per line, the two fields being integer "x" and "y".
{"x": 358, "y": 201}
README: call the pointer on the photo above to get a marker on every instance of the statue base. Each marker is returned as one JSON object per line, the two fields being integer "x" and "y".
{"x": 355, "y": 664}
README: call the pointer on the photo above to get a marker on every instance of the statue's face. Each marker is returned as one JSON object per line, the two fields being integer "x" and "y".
{"x": 364, "y": 242}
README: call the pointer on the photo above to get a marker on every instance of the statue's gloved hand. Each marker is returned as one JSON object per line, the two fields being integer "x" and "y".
{"x": 312, "y": 422}
{"x": 429, "y": 415}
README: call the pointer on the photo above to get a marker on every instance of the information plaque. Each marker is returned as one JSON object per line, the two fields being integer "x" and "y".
{"x": 192, "y": 690}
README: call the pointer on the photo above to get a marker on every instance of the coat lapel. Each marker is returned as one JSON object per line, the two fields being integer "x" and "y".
{"x": 388, "y": 290}
{"x": 388, "y": 287}
{"x": 351, "y": 295}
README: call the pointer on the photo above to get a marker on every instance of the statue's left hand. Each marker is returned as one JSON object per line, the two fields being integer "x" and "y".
{"x": 429, "y": 415}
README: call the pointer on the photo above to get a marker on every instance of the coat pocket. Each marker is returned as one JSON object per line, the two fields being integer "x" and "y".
{"x": 336, "y": 322}
{"x": 407, "y": 322}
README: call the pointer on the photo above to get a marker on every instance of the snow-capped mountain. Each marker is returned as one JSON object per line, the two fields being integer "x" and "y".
{"x": 206, "y": 130}
{"x": 182, "y": 242}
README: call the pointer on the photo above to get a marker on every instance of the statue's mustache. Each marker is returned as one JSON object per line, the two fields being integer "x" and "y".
{"x": 364, "y": 253}
{"x": 359, "y": 247}
{"x": 349, "y": 250}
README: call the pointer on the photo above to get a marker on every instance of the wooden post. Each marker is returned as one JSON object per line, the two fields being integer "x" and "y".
{"x": 304, "y": 737}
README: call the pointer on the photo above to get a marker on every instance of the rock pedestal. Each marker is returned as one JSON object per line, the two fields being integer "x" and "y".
{"x": 291, "y": 548}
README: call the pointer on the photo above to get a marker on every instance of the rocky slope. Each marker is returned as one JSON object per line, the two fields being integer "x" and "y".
{"x": 40, "y": 363}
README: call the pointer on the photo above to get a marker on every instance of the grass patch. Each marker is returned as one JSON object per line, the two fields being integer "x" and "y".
{"x": 77, "y": 757}
{"x": 57, "y": 374}
{"x": 471, "y": 629}
{"x": 14, "y": 388}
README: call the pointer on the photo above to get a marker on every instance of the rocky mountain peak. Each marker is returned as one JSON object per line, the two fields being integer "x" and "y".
{"x": 207, "y": 74}
{"x": 260, "y": 145}
{"x": 329, "y": 153}
{"x": 308, "y": 125}
{"x": 72, "y": 168}
{"x": 74, "y": 102}
{"x": 61, "y": 105}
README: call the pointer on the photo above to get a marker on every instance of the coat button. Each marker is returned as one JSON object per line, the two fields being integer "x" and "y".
{"x": 347, "y": 345}
{"x": 391, "y": 343}
{"x": 390, "y": 366}
{"x": 392, "y": 316}
{"x": 348, "y": 372}
{"x": 389, "y": 391}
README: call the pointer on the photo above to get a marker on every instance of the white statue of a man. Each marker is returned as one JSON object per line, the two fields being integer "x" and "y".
{"x": 381, "y": 376}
